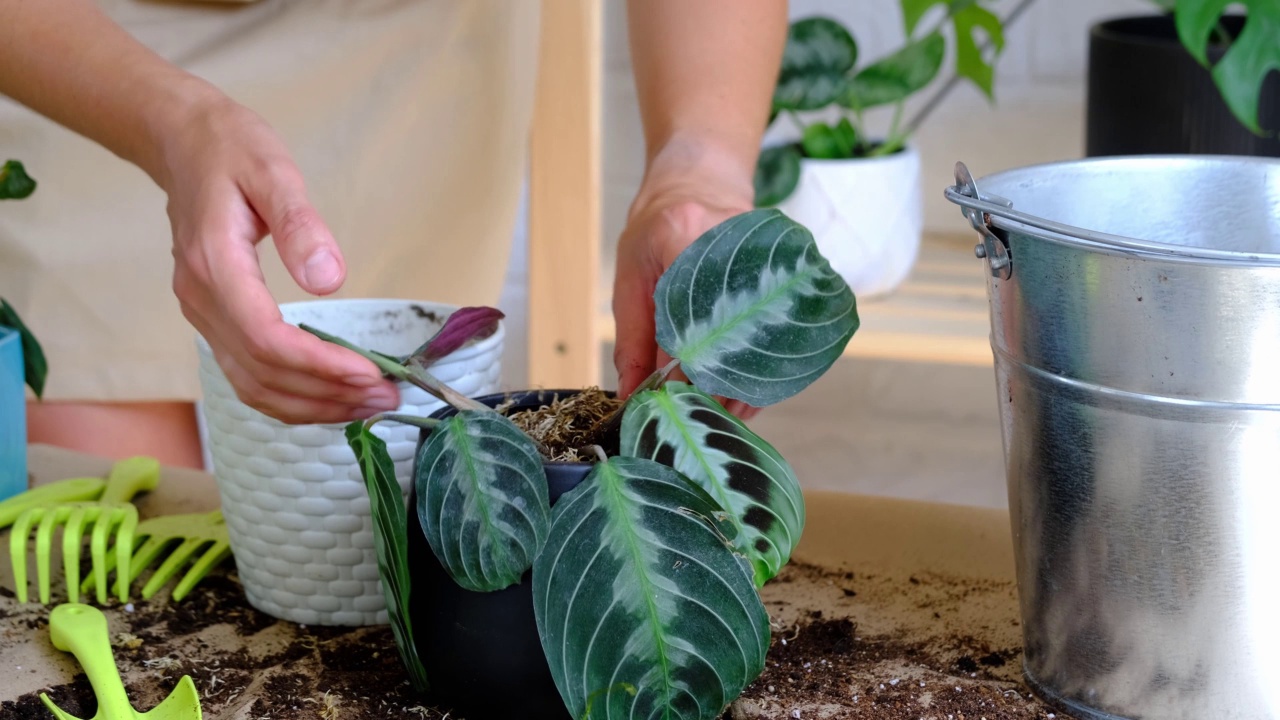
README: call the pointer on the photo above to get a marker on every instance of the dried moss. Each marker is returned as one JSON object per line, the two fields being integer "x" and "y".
{"x": 563, "y": 426}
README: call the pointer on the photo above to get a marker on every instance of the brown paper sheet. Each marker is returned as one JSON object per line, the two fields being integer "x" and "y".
{"x": 890, "y": 609}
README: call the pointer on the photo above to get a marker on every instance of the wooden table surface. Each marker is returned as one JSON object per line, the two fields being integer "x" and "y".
{"x": 919, "y": 598}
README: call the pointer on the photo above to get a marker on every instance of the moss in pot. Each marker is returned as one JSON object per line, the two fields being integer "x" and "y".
{"x": 642, "y": 580}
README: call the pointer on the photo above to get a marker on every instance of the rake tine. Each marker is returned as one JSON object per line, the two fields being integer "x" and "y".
{"x": 124, "y": 552}
{"x": 211, "y": 557}
{"x": 44, "y": 539}
{"x": 142, "y": 557}
{"x": 169, "y": 568}
{"x": 98, "y": 550}
{"x": 71, "y": 543}
{"x": 18, "y": 549}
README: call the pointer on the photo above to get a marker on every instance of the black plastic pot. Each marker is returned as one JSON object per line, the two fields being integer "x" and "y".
{"x": 481, "y": 651}
{"x": 1147, "y": 95}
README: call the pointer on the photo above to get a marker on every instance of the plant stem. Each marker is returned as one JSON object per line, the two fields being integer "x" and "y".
{"x": 795, "y": 119}
{"x": 613, "y": 420}
{"x": 894, "y": 140}
{"x": 600, "y": 453}
{"x": 954, "y": 80}
{"x": 414, "y": 374}
{"x": 424, "y": 423}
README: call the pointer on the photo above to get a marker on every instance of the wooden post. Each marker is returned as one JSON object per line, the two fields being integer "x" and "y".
{"x": 564, "y": 199}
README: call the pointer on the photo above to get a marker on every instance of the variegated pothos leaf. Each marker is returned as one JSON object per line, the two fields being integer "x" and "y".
{"x": 753, "y": 311}
{"x": 686, "y": 429}
{"x": 482, "y": 499}
{"x": 643, "y": 608}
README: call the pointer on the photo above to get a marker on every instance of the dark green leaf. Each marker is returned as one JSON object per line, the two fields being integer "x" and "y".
{"x": 1252, "y": 56}
{"x": 897, "y": 76}
{"x": 969, "y": 61}
{"x": 818, "y": 54}
{"x": 752, "y": 310}
{"x": 15, "y": 184}
{"x": 686, "y": 429}
{"x": 823, "y": 142}
{"x": 642, "y": 605}
{"x": 777, "y": 174}
{"x": 482, "y": 499}
{"x": 390, "y": 527}
{"x": 35, "y": 366}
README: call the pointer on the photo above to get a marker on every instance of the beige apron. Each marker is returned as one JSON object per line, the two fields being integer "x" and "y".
{"x": 408, "y": 118}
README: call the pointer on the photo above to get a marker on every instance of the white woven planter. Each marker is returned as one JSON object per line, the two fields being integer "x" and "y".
{"x": 867, "y": 216}
{"x": 295, "y": 502}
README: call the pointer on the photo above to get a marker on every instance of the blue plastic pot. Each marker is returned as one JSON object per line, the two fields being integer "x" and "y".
{"x": 13, "y": 415}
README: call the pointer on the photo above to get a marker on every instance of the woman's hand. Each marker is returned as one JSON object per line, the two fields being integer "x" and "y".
{"x": 688, "y": 190}
{"x": 230, "y": 182}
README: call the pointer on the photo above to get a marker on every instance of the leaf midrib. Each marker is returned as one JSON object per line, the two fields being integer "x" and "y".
{"x": 464, "y": 449}
{"x": 668, "y": 405}
{"x": 692, "y": 352}
{"x": 618, "y": 509}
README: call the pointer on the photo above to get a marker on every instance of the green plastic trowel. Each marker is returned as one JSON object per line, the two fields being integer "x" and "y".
{"x": 82, "y": 631}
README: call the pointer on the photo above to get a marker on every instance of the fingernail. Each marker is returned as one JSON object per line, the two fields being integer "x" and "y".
{"x": 363, "y": 380}
{"x": 321, "y": 270}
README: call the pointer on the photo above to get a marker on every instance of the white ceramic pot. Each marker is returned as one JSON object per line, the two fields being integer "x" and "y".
{"x": 867, "y": 216}
{"x": 295, "y": 502}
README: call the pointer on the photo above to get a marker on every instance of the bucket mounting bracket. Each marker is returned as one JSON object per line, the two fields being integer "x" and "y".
{"x": 992, "y": 248}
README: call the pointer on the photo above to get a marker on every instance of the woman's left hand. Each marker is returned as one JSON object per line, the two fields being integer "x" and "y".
{"x": 687, "y": 190}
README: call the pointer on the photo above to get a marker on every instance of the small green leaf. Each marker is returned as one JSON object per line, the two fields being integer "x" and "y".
{"x": 818, "y": 54}
{"x": 643, "y": 608}
{"x": 686, "y": 429}
{"x": 752, "y": 310}
{"x": 823, "y": 142}
{"x": 15, "y": 184}
{"x": 777, "y": 174}
{"x": 391, "y": 542}
{"x": 35, "y": 366}
{"x": 849, "y": 136}
{"x": 482, "y": 499}
{"x": 914, "y": 10}
{"x": 1252, "y": 56}
{"x": 969, "y": 62}
{"x": 897, "y": 76}
{"x": 965, "y": 16}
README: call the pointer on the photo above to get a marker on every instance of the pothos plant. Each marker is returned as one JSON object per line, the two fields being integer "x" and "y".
{"x": 15, "y": 184}
{"x": 820, "y": 72}
{"x": 646, "y": 575}
{"x": 1249, "y": 57}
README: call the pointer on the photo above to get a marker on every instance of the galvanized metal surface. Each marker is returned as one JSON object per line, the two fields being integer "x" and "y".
{"x": 1137, "y": 347}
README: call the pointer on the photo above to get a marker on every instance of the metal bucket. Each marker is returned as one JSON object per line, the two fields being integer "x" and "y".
{"x": 1135, "y": 315}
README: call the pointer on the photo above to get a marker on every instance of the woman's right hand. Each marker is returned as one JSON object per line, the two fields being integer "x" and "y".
{"x": 230, "y": 182}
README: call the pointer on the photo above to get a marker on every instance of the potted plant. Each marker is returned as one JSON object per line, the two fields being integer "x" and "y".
{"x": 860, "y": 193}
{"x": 297, "y": 512}
{"x": 569, "y": 554}
{"x": 22, "y": 361}
{"x": 1188, "y": 80}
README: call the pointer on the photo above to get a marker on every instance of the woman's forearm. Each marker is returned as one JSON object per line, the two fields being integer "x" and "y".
{"x": 705, "y": 73}
{"x": 68, "y": 61}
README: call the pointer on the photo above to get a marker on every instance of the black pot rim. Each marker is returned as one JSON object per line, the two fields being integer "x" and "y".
{"x": 1114, "y": 30}
{"x": 497, "y": 398}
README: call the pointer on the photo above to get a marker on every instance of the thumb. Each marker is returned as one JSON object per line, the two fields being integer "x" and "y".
{"x": 306, "y": 246}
